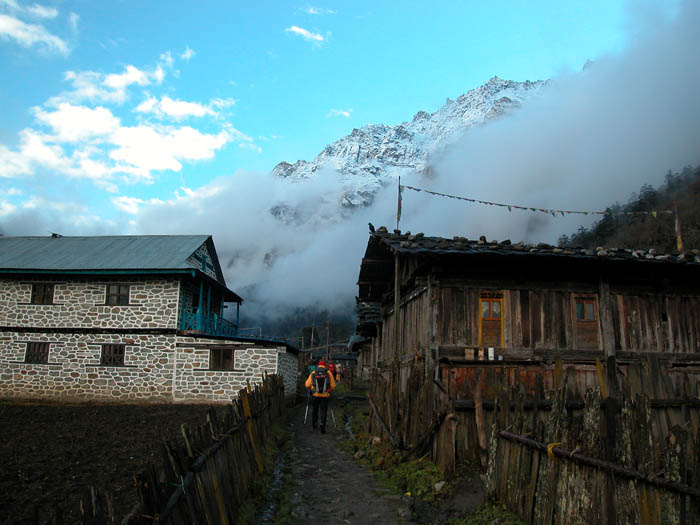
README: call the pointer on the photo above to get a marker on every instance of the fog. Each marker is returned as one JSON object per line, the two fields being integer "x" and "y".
{"x": 592, "y": 138}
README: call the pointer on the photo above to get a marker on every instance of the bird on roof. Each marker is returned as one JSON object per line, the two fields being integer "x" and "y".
{"x": 371, "y": 227}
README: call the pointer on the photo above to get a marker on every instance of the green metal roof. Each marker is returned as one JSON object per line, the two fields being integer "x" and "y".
{"x": 123, "y": 252}
{"x": 109, "y": 255}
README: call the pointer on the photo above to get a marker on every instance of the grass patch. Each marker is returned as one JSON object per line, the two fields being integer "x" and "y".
{"x": 395, "y": 470}
{"x": 418, "y": 476}
{"x": 487, "y": 514}
{"x": 271, "y": 490}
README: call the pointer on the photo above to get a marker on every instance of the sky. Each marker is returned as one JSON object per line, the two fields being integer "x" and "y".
{"x": 165, "y": 119}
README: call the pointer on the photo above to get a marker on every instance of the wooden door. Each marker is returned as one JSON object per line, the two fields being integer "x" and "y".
{"x": 491, "y": 320}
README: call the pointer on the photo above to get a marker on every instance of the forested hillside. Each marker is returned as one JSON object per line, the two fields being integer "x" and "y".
{"x": 624, "y": 230}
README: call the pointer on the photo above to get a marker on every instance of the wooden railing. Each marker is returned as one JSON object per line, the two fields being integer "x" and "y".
{"x": 206, "y": 324}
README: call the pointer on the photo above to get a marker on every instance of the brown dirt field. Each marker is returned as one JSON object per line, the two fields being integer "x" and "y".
{"x": 50, "y": 454}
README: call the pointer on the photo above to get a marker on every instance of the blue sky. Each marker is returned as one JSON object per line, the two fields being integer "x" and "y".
{"x": 109, "y": 105}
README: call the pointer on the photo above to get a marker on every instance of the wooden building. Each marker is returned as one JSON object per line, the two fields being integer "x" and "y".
{"x": 125, "y": 318}
{"x": 448, "y": 309}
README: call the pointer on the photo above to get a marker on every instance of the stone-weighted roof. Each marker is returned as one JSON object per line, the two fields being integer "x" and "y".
{"x": 418, "y": 243}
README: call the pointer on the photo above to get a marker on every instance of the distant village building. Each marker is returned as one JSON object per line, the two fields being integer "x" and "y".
{"x": 125, "y": 318}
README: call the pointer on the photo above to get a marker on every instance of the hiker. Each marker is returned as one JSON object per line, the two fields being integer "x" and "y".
{"x": 320, "y": 382}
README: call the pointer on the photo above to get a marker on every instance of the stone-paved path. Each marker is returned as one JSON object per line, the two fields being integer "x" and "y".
{"x": 329, "y": 487}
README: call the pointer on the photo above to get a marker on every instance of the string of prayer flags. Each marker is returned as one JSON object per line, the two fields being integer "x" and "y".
{"x": 552, "y": 212}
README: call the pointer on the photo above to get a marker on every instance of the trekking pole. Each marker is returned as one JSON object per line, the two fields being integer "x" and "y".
{"x": 306, "y": 413}
{"x": 333, "y": 417}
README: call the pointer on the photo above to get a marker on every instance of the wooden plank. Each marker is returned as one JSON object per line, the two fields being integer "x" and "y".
{"x": 460, "y": 316}
{"x": 605, "y": 307}
{"x": 517, "y": 328}
{"x": 525, "y": 318}
{"x": 535, "y": 319}
{"x": 549, "y": 340}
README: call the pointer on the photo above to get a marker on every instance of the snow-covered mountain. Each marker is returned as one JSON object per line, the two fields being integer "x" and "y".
{"x": 371, "y": 156}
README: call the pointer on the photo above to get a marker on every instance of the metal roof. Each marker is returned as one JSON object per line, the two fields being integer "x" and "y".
{"x": 123, "y": 252}
{"x": 113, "y": 254}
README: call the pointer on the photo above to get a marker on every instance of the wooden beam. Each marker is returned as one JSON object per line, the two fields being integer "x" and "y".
{"x": 607, "y": 466}
{"x": 606, "y": 318}
{"x": 397, "y": 309}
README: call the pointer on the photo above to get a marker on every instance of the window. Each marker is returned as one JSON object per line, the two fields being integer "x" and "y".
{"x": 221, "y": 359}
{"x": 585, "y": 309}
{"x": 117, "y": 294}
{"x": 586, "y": 322}
{"x": 490, "y": 308}
{"x": 37, "y": 353}
{"x": 113, "y": 355}
{"x": 491, "y": 320}
{"x": 42, "y": 293}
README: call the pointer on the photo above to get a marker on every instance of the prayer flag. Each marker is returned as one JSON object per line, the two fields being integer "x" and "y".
{"x": 679, "y": 238}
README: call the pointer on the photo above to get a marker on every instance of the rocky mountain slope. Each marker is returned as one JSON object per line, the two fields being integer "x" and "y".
{"x": 372, "y": 155}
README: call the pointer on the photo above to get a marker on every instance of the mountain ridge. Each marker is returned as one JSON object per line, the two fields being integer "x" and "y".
{"x": 368, "y": 157}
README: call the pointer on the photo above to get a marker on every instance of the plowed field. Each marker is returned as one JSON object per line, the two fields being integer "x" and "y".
{"x": 50, "y": 454}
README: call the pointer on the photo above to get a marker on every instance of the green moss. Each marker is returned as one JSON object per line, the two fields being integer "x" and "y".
{"x": 278, "y": 442}
{"x": 395, "y": 470}
{"x": 487, "y": 514}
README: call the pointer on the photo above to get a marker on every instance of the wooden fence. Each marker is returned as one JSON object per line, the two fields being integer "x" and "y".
{"x": 207, "y": 478}
{"x": 206, "y": 474}
{"x": 645, "y": 419}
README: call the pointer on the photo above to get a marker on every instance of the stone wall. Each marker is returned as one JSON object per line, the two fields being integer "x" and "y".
{"x": 194, "y": 381}
{"x": 288, "y": 368}
{"x": 81, "y": 304}
{"x": 74, "y": 370}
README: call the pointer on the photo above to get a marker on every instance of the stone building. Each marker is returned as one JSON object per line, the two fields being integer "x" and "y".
{"x": 125, "y": 318}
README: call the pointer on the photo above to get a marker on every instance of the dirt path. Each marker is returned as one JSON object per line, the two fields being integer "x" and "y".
{"x": 330, "y": 487}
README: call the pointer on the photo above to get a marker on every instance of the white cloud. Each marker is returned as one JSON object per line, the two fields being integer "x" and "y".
{"x": 54, "y": 204}
{"x": 132, "y": 205}
{"x": 131, "y": 75}
{"x": 127, "y": 204}
{"x": 78, "y": 123}
{"x": 147, "y": 149}
{"x": 223, "y": 103}
{"x": 177, "y": 109}
{"x": 187, "y": 54}
{"x": 318, "y": 11}
{"x": 6, "y": 208}
{"x": 94, "y": 86}
{"x": 35, "y": 149}
{"x": 251, "y": 146}
{"x": 180, "y": 109}
{"x": 339, "y": 113}
{"x": 148, "y": 105}
{"x": 41, "y": 11}
{"x": 167, "y": 58}
{"x": 73, "y": 19}
{"x": 29, "y": 35}
{"x": 305, "y": 34}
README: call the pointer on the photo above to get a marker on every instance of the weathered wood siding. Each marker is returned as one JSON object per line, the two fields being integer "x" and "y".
{"x": 542, "y": 318}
